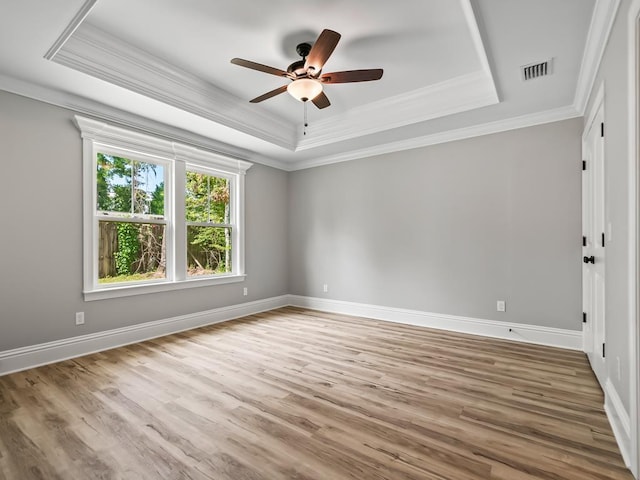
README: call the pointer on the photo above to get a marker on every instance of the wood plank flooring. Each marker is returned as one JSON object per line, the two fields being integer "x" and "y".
{"x": 298, "y": 394}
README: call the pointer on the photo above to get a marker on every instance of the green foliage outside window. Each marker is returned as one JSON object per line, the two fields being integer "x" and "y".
{"x": 127, "y": 188}
{"x": 135, "y": 250}
{"x": 128, "y": 248}
{"x": 207, "y": 201}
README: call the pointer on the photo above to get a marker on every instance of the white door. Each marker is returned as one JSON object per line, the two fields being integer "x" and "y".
{"x": 594, "y": 244}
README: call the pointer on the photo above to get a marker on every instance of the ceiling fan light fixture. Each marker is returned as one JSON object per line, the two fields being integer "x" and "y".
{"x": 304, "y": 89}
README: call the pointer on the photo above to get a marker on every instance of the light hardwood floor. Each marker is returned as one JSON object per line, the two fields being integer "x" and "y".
{"x": 297, "y": 394}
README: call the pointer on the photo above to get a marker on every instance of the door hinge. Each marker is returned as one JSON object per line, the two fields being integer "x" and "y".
{"x": 603, "y": 239}
{"x": 603, "y": 350}
{"x": 602, "y": 129}
{"x": 584, "y": 165}
{"x": 584, "y": 241}
{"x": 584, "y": 317}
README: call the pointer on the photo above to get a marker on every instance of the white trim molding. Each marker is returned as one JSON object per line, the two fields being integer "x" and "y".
{"x": 96, "y": 53}
{"x": 498, "y": 126}
{"x": 23, "y": 358}
{"x": 602, "y": 18}
{"x": 106, "y": 133}
{"x": 71, "y": 28}
{"x": 554, "y": 337}
{"x": 127, "y": 120}
{"x": 460, "y": 94}
{"x": 86, "y": 48}
{"x": 92, "y": 108}
{"x": 45, "y": 353}
{"x": 619, "y": 420}
{"x": 598, "y": 100}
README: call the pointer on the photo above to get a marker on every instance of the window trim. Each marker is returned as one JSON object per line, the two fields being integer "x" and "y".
{"x": 98, "y": 136}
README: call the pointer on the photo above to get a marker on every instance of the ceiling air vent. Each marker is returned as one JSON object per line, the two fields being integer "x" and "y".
{"x": 536, "y": 70}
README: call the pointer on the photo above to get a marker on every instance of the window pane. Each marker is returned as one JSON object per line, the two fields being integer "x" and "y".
{"x": 129, "y": 252}
{"x": 129, "y": 187}
{"x": 207, "y": 198}
{"x": 208, "y": 250}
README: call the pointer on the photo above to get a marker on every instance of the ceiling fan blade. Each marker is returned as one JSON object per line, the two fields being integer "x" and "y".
{"x": 270, "y": 94}
{"x": 321, "y": 50}
{"x": 321, "y": 100}
{"x": 259, "y": 67}
{"x": 350, "y": 76}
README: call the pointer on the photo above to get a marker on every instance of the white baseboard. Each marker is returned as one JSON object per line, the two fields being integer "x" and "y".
{"x": 35, "y": 355}
{"x": 45, "y": 353}
{"x": 619, "y": 420}
{"x": 555, "y": 337}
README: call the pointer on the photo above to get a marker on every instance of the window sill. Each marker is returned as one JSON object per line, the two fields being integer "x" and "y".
{"x": 106, "y": 292}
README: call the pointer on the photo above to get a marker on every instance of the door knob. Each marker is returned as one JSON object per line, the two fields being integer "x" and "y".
{"x": 590, "y": 259}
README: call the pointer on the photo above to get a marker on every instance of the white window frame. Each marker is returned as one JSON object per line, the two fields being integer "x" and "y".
{"x": 196, "y": 168}
{"x": 101, "y": 137}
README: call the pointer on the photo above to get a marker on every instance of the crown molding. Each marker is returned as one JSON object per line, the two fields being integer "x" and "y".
{"x": 459, "y": 94}
{"x": 75, "y": 22}
{"x": 529, "y": 120}
{"x": 86, "y": 48}
{"x": 118, "y": 117}
{"x": 476, "y": 38}
{"x": 121, "y": 118}
{"x": 94, "y": 52}
{"x": 604, "y": 14}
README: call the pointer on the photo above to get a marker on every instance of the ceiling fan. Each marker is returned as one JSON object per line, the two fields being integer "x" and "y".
{"x": 306, "y": 75}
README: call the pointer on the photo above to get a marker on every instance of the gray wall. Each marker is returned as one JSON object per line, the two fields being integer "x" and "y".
{"x": 613, "y": 72}
{"x": 41, "y": 239}
{"x": 449, "y": 228}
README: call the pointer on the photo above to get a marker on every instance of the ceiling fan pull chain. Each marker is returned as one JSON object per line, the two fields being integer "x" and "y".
{"x": 304, "y": 129}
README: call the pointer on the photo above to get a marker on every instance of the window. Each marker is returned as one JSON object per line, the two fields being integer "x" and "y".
{"x": 132, "y": 226}
{"x": 158, "y": 215}
{"x": 209, "y": 223}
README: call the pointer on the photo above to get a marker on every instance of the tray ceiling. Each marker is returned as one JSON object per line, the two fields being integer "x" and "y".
{"x": 448, "y": 65}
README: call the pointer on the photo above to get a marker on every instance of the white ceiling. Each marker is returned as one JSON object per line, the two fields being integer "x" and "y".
{"x": 451, "y": 67}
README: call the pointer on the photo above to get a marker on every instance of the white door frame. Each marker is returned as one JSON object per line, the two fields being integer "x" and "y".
{"x": 634, "y": 234}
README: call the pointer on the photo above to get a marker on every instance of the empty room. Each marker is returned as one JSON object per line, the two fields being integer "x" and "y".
{"x": 319, "y": 240}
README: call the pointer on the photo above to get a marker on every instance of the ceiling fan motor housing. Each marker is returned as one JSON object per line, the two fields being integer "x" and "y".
{"x": 297, "y": 68}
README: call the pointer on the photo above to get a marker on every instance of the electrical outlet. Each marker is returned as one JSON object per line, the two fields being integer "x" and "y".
{"x": 501, "y": 306}
{"x": 325, "y": 288}
{"x": 245, "y": 292}
{"x": 79, "y": 318}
